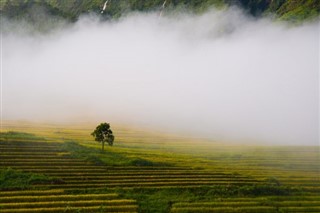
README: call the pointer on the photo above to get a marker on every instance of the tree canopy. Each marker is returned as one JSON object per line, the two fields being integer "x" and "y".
{"x": 103, "y": 134}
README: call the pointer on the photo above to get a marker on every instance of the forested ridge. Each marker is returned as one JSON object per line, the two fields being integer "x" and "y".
{"x": 288, "y": 10}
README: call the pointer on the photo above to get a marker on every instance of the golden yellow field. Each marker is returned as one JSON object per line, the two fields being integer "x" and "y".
{"x": 149, "y": 171}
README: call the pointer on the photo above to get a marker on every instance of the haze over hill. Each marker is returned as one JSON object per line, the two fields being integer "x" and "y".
{"x": 221, "y": 74}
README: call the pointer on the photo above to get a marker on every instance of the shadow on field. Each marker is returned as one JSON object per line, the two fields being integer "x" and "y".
{"x": 108, "y": 158}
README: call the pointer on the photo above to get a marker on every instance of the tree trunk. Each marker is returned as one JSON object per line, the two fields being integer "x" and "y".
{"x": 102, "y": 145}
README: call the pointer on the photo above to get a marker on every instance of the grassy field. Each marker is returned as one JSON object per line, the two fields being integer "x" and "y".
{"x": 59, "y": 168}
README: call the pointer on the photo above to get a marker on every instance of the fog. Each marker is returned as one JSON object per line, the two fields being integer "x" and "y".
{"x": 221, "y": 75}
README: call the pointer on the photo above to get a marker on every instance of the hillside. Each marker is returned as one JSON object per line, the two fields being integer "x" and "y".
{"x": 295, "y": 11}
{"x": 59, "y": 168}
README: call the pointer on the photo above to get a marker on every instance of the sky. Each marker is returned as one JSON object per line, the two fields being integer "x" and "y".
{"x": 221, "y": 75}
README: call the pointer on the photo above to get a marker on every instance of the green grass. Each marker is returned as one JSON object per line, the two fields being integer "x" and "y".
{"x": 14, "y": 179}
{"x": 19, "y": 136}
{"x": 108, "y": 158}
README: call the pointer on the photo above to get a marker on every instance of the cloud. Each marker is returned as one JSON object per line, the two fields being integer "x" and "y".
{"x": 221, "y": 75}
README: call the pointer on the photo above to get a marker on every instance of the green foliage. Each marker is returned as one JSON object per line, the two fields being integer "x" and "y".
{"x": 161, "y": 200}
{"x": 103, "y": 134}
{"x": 265, "y": 190}
{"x": 290, "y": 10}
{"x": 144, "y": 162}
{"x": 86, "y": 153}
{"x": 13, "y": 135}
{"x": 255, "y": 7}
{"x": 14, "y": 179}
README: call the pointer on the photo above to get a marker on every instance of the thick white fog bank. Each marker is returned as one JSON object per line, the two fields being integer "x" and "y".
{"x": 220, "y": 75}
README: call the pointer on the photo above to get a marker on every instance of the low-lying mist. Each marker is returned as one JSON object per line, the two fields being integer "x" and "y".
{"x": 221, "y": 75}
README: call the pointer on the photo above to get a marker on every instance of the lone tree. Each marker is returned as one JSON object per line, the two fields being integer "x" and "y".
{"x": 103, "y": 134}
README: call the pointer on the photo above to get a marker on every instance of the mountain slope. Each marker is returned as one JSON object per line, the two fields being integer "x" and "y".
{"x": 289, "y": 10}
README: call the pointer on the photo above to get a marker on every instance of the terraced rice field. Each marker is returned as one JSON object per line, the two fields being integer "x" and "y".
{"x": 49, "y": 159}
{"x": 58, "y": 201}
{"x": 265, "y": 204}
{"x": 75, "y": 174}
{"x": 221, "y": 182}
